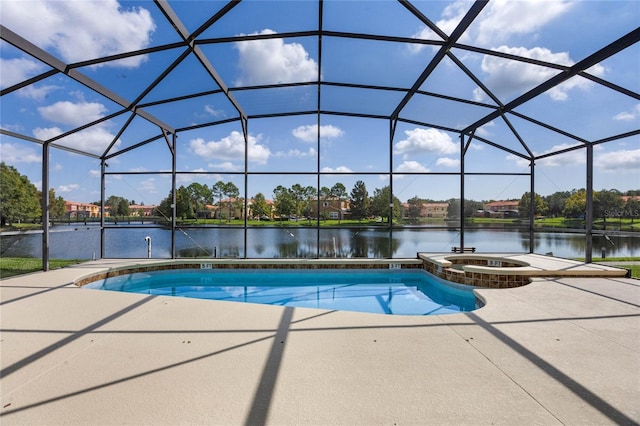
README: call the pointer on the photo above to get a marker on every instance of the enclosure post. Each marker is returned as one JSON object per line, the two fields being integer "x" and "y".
{"x": 245, "y": 132}
{"x": 588, "y": 214}
{"x": 462, "y": 153}
{"x": 391, "y": 132}
{"x": 45, "y": 206}
{"x": 532, "y": 207}
{"x": 173, "y": 197}
{"x": 103, "y": 166}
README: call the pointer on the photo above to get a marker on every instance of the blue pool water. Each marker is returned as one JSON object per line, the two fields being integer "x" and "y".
{"x": 395, "y": 292}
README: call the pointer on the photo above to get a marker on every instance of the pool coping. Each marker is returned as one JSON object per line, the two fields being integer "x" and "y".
{"x": 472, "y": 269}
{"x": 136, "y": 266}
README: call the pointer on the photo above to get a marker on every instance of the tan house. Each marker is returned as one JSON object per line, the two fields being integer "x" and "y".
{"x": 82, "y": 210}
{"x": 330, "y": 208}
{"x": 139, "y": 210}
{"x": 501, "y": 209}
{"x": 227, "y": 208}
{"x": 434, "y": 210}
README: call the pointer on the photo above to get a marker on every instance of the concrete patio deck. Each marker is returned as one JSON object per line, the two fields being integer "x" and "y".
{"x": 557, "y": 351}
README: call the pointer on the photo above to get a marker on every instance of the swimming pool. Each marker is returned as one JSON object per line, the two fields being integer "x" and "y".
{"x": 394, "y": 292}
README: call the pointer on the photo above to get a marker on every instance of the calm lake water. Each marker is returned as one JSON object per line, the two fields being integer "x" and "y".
{"x": 79, "y": 241}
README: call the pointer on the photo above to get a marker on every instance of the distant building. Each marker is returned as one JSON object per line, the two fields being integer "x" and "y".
{"x": 501, "y": 209}
{"x": 434, "y": 210}
{"x": 139, "y": 210}
{"x": 330, "y": 208}
{"x": 76, "y": 210}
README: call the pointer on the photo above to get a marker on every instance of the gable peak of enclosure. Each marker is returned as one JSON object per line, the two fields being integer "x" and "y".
{"x": 433, "y": 82}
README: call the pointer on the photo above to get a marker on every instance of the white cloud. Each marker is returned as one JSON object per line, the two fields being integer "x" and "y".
{"x": 310, "y": 133}
{"x": 74, "y": 114}
{"x": 273, "y": 61}
{"x": 39, "y": 93}
{"x": 503, "y": 19}
{"x": 227, "y": 166}
{"x": 147, "y": 186}
{"x": 420, "y": 141}
{"x": 213, "y": 112}
{"x": 296, "y": 153}
{"x": 619, "y": 161}
{"x": 448, "y": 162}
{"x": 499, "y": 21}
{"x": 231, "y": 148}
{"x": 57, "y": 167}
{"x": 509, "y": 78}
{"x": 339, "y": 169}
{"x": 81, "y": 30}
{"x": 93, "y": 140}
{"x": 451, "y": 16}
{"x": 16, "y": 70}
{"x": 13, "y": 154}
{"x": 628, "y": 115}
{"x": 411, "y": 167}
{"x": 94, "y": 173}
{"x": 68, "y": 188}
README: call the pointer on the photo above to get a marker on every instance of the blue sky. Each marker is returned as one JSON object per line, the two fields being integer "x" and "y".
{"x": 553, "y": 31}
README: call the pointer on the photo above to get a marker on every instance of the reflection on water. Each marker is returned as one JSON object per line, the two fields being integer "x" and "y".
{"x": 83, "y": 242}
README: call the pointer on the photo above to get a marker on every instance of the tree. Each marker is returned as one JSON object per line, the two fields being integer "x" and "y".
{"x": 184, "y": 209}
{"x": 340, "y": 192}
{"x": 57, "y": 206}
{"x": 415, "y": 207}
{"x": 632, "y": 209}
{"x": 453, "y": 210}
{"x": 302, "y": 196}
{"x": 309, "y": 195}
{"x": 606, "y": 204}
{"x": 199, "y": 195}
{"x": 556, "y": 201}
{"x": 118, "y": 206}
{"x": 231, "y": 192}
{"x": 284, "y": 201}
{"x": 217, "y": 191}
{"x": 381, "y": 201}
{"x": 259, "y": 206}
{"x": 123, "y": 207}
{"x": 525, "y": 203}
{"x": 325, "y": 195}
{"x": 18, "y": 197}
{"x": 359, "y": 199}
{"x": 576, "y": 204}
{"x": 183, "y": 205}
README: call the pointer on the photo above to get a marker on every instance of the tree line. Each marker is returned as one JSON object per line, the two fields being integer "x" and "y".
{"x": 573, "y": 204}
{"x": 20, "y": 201}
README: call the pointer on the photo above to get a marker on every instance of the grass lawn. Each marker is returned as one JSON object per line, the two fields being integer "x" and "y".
{"x": 10, "y": 266}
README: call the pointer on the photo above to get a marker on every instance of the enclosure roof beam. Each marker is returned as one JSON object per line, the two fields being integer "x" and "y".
{"x": 549, "y": 127}
{"x": 28, "y": 82}
{"x": 31, "y": 49}
{"x": 471, "y": 14}
{"x": 171, "y": 16}
{"x": 416, "y": 12}
{"x": 622, "y": 43}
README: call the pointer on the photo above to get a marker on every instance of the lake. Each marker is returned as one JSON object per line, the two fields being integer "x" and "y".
{"x": 79, "y": 241}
